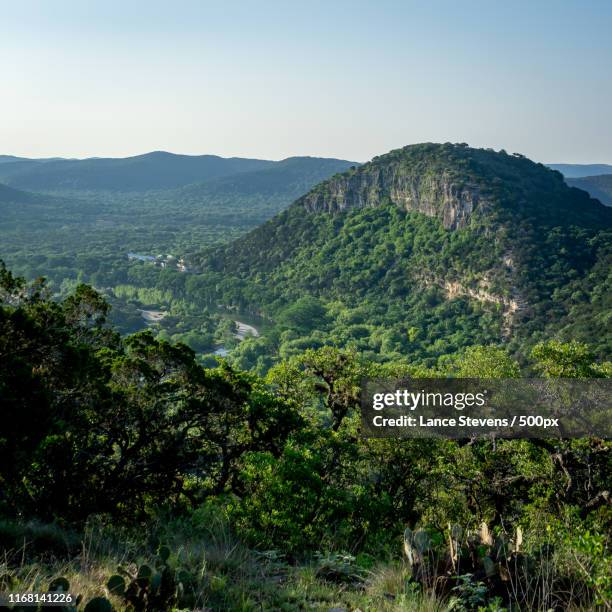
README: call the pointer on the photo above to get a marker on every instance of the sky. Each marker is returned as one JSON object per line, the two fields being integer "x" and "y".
{"x": 272, "y": 79}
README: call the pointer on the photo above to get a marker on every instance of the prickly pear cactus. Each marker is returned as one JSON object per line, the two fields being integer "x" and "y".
{"x": 116, "y": 585}
{"x": 501, "y": 548}
{"x": 98, "y": 604}
{"x": 164, "y": 554}
{"x": 456, "y": 532}
{"x": 422, "y": 541}
{"x": 489, "y": 567}
{"x": 59, "y": 584}
{"x": 144, "y": 574}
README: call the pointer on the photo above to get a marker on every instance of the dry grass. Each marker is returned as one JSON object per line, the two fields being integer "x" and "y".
{"x": 227, "y": 575}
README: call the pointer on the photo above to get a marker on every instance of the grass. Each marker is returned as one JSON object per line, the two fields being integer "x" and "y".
{"x": 248, "y": 587}
{"x": 224, "y": 574}
{"x": 227, "y": 575}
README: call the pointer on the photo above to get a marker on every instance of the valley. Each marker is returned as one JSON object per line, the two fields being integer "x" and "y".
{"x": 419, "y": 237}
{"x": 184, "y": 390}
{"x": 105, "y": 222}
{"x": 306, "y": 306}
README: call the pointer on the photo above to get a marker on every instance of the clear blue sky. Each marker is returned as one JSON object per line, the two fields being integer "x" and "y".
{"x": 272, "y": 79}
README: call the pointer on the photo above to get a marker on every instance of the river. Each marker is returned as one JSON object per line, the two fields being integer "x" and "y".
{"x": 243, "y": 330}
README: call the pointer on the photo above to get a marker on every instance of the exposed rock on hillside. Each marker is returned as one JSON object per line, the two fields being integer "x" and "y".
{"x": 433, "y": 195}
{"x": 462, "y": 245}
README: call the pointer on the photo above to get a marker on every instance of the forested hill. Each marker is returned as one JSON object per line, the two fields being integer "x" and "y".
{"x": 151, "y": 171}
{"x": 429, "y": 248}
{"x": 156, "y": 170}
{"x": 292, "y": 176}
{"x": 15, "y": 196}
{"x": 599, "y": 186}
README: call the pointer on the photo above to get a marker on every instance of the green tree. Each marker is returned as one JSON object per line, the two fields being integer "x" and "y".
{"x": 555, "y": 359}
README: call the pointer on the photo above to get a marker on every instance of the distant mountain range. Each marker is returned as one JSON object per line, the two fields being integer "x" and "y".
{"x": 7, "y": 159}
{"x": 595, "y": 179}
{"x": 13, "y": 158}
{"x": 599, "y": 187}
{"x": 291, "y": 177}
{"x": 580, "y": 170}
{"x": 158, "y": 170}
{"x": 66, "y": 212}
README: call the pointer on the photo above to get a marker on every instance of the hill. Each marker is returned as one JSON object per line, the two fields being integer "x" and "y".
{"x": 422, "y": 251}
{"x": 7, "y": 159}
{"x": 290, "y": 177}
{"x": 162, "y": 171}
{"x": 599, "y": 187}
{"x": 580, "y": 170}
{"x": 156, "y": 170}
{"x": 15, "y": 196}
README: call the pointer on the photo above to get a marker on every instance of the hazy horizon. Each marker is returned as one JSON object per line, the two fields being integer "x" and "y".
{"x": 347, "y": 80}
{"x": 361, "y": 161}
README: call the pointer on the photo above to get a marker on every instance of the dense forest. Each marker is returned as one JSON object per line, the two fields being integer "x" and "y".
{"x": 81, "y": 230}
{"x": 422, "y": 252}
{"x": 140, "y": 472}
{"x": 315, "y": 279}
{"x": 138, "y": 479}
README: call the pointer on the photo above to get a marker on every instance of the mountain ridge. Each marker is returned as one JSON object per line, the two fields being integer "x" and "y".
{"x": 599, "y": 186}
{"x": 293, "y": 175}
{"x": 150, "y": 171}
{"x": 430, "y": 184}
{"x": 483, "y": 237}
{"x": 580, "y": 170}
{"x": 17, "y": 196}
{"x": 156, "y": 170}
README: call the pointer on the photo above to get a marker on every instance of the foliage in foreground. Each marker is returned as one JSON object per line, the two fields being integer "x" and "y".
{"x": 201, "y": 565}
{"x": 131, "y": 428}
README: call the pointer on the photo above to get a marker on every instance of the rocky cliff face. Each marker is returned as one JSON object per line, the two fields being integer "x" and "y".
{"x": 435, "y": 195}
